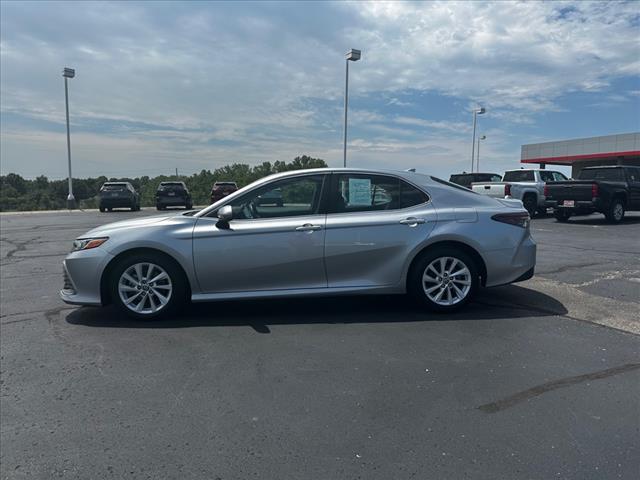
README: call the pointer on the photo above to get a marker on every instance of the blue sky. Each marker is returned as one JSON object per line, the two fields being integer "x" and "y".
{"x": 198, "y": 85}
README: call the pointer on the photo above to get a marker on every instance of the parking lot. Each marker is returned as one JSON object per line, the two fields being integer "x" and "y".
{"x": 539, "y": 379}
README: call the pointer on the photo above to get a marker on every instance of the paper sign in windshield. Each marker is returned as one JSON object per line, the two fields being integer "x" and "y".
{"x": 360, "y": 191}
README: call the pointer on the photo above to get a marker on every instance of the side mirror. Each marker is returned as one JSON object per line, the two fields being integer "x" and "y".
{"x": 225, "y": 214}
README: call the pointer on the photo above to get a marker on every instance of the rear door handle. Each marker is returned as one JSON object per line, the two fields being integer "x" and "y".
{"x": 412, "y": 221}
{"x": 308, "y": 227}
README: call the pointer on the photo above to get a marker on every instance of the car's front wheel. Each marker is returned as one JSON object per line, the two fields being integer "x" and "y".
{"x": 147, "y": 285}
{"x": 444, "y": 279}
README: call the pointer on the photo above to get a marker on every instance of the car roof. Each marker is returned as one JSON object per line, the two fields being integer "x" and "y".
{"x": 609, "y": 166}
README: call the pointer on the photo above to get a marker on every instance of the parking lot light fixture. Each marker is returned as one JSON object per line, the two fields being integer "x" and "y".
{"x": 483, "y": 137}
{"x": 68, "y": 73}
{"x": 476, "y": 112}
{"x": 352, "y": 55}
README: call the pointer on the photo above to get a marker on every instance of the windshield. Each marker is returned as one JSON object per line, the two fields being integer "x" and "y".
{"x": 114, "y": 187}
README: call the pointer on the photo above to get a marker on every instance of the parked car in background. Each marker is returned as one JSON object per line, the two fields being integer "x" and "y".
{"x": 526, "y": 185}
{"x": 611, "y": 190}
{"x": 221, "y": 190}
{"x": 118, "y": 195}
{"x": 339, "y": 231}
{"x": 465, "y": 179}
{"x": 173, "y": 194}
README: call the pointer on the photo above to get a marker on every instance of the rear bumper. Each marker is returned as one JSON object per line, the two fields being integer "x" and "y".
{"x": 594, "y": 205}
{"x": 116, "y": 202}
{"x": 508, "y": 265}
{"x": 172, "y": 201}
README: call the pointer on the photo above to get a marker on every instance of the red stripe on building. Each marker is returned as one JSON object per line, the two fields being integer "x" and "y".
{"x": 576, "y": 158}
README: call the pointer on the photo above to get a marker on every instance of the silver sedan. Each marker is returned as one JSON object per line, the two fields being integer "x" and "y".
{"x": 309, "y": 232}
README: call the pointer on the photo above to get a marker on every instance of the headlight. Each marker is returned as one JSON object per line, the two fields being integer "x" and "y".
{"x": 87, "y": 243}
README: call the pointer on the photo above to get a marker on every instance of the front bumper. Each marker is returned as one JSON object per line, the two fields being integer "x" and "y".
{"x": 82, "y": 274}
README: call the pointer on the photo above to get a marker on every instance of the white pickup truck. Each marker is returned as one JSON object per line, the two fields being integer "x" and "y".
{"x": 526, "y": 185}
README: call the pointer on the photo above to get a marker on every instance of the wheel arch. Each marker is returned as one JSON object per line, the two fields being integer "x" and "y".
{"x": 465, "y": 247}
{"x": 105, "y": 294}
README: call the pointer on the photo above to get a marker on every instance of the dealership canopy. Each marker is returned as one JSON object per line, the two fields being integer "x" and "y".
{"x": 623, "y": 149}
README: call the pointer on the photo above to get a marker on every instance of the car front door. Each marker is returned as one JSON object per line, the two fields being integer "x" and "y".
{"x": 373, "y": 224}
{"x": 275, "y": 240}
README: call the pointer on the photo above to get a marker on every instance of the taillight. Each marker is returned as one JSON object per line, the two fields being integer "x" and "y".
{"x": 546, "y": 190}
{"x": 594, "y": 190}
{"x": 519, "y": 219}
{"x": 507, "y": 190}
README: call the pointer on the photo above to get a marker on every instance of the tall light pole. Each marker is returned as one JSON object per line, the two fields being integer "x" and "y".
{"x": 476, "y": 112}
{"x": 483, "y": 137}
{"x": 69, "y": 73}
{"x": 352, "y": 55}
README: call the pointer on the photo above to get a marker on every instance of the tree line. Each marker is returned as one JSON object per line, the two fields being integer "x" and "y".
{"x": 18, "y": 193}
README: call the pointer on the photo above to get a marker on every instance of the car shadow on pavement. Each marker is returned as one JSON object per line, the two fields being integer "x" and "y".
{"x": 507, "y": 302}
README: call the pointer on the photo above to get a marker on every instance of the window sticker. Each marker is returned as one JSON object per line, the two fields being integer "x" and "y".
{"x": 360, "y": 191}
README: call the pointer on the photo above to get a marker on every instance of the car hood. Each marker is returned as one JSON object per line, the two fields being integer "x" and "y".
{"x": 110, "y": 228}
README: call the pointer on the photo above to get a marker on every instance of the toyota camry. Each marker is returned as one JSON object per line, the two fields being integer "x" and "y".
{"x": 332, "y": 231}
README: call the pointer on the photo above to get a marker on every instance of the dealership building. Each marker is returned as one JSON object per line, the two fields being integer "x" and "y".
{"x": 623, "y": 149}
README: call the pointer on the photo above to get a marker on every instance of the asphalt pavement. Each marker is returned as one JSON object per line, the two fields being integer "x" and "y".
{"x": 535, "y": 380}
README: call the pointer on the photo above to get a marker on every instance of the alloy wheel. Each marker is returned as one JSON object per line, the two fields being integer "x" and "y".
{"x": 446, "y": 281}
{"x": 145, "y": 288}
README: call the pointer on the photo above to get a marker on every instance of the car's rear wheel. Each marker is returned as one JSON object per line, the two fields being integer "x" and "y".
{"x": 101, "y": 208}
{"x": 562, "y": 215}
{"x": 530, "y": 203}
{"x": 147, "y": 286}
{"x": 444, "y": 279}
{"x": 615, "y": 213}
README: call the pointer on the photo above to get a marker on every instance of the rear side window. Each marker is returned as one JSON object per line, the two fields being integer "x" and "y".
{"x": 464, "y": 180}
{"x": 367, "y": 193}
{"x": 633, "y": 174}
{"x": 519, "y": 176}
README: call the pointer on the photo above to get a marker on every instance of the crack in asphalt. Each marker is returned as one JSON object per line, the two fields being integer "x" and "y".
{"x": 538, "y": 390}
{"x": 569, "y": 267}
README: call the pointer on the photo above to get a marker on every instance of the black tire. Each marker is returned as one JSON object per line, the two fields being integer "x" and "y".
{"x": 159, "y": 207}
{"x": 110, "y": 209}
{"x": 133, "y": 207}
{"x": 562, "y": 215}
{"x": 179, "y": 291}
{"x": 188, "y": 206}
{"x": 415, "y": 284}
{"x": 101, "y": 208}
{"x": 530, "y": 203}
{"x": 615, "y": 212}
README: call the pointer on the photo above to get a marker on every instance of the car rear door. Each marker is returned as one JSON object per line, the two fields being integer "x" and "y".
{"x": 633, "y": 178}
{"x": 374, "y": 222}
{"x": 266, "y": 247}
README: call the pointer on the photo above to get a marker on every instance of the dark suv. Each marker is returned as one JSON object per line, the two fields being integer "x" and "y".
{"x": 118, "y": 195}
{"x": 173, "y": 194}
{"x": 221, "y": 190}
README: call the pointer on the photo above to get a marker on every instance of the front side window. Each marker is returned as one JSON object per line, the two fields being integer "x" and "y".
{"x": 366, "y": 193}
{"x": 546, "y": 176}
{"x": 286, "y": 198}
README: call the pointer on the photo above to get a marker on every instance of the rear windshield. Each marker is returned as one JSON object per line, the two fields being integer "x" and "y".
{"x": 613, "y": 174}
{"x": 519, "y": 176}
{"x": 114, "y": 187}
{"x": 171, "y": 186}
{"x": 225, "y": 184}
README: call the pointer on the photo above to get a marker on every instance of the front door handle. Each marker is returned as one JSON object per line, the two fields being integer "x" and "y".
{"x": 308, "y": 227}
{"x": 412, "y": 221}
